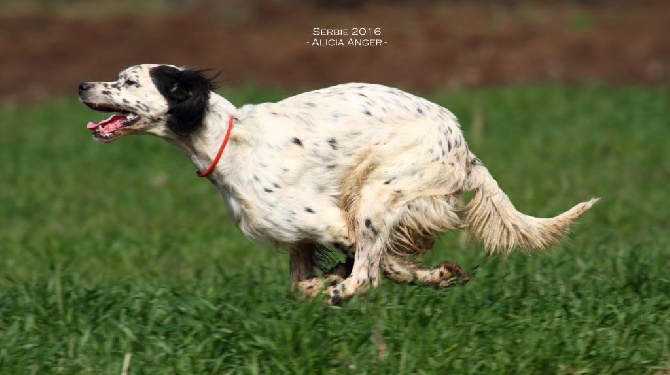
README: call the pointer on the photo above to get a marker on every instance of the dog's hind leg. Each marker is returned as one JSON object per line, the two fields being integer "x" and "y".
{"x": 444, "y": 275}
{"x": 365, "y": 272}
{"x": 370, "y": 223}
{"x": 403, "y": 270}
{"x": 399, "y": 266}
{"x": 303, "y": 263}
{"x": 367, "y": 205}
{"x": 422, "y": 219}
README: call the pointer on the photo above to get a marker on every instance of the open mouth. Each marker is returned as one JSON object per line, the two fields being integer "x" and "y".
{"x": 107, "y": 128}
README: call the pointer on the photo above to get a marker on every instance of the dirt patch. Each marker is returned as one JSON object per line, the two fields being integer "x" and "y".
{"x": 424, "y": 47}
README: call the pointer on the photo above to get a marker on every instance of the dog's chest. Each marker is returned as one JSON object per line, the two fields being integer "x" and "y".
{"x": 285, "y": 192}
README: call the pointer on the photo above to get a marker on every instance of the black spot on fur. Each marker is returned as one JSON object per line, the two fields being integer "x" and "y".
{"x": 187, "y": 93}
{"x": 276, "y": 185}
{"x": 336, "y": 298}
{"x": 297, "y": 141}
{"x": 367, "y": 112}
{"x": 330, "y": 166}
{"x": 307, "y": 209}
{"x": 389, "y": 181}
{"x": 368, "y": 224}
{"x": 268, "y": 190}
{"x": 106, "y": 92}
{"x": 333, "y": 143}
{"x": 448, "y": 146}
{"x": 419, "y": 110}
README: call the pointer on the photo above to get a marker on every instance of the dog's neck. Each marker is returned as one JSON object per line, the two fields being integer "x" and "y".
{"x": 202, "y": 145}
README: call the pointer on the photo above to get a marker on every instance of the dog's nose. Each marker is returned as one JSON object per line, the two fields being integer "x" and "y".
{"x": 84, "y": 87}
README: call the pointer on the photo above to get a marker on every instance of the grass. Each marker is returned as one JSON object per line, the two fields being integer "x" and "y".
{"x": 113, "y": 252}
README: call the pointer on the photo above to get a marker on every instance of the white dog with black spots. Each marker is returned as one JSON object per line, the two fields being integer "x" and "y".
{"x": 369, "y": 170}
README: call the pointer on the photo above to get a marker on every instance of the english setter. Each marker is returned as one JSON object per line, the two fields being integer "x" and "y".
{"x": 367, "y": 169}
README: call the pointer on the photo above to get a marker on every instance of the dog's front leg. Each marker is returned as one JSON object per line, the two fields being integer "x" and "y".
{"x": 302, "y": 264}
{"x": 304, "y": 261}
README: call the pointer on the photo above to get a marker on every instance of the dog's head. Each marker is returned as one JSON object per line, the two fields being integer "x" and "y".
{"x": 163, "y": 100}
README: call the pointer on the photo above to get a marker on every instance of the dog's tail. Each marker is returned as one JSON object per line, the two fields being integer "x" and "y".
{"x": 491, "y": 217}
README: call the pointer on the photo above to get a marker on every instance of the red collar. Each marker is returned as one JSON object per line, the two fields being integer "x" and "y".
{"x": 220, "y": 152}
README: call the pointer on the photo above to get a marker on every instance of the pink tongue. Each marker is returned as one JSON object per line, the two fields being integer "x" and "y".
{"x": 109, "y": 125}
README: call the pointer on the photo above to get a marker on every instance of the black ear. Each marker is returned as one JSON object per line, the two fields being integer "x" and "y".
{"x": 187, "y": 94}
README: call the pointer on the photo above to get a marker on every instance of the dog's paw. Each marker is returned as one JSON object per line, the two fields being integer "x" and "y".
{"x": 309, "y": 288}
{"x": 313, "y": 287}
{"x": 451, "y": 274}
{"x": 334, "y": 296}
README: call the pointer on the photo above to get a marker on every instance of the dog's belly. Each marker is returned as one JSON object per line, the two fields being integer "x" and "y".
{"x": 292, "y": 216}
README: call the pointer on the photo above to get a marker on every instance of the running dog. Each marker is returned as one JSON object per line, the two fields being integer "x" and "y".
{"x": 367, "y": 169}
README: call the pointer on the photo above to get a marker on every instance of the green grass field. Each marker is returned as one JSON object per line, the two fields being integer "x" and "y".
{"x": 113, "y": 252}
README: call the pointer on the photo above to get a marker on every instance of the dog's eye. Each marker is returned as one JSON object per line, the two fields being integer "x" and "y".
{"x": 130, "y": 82}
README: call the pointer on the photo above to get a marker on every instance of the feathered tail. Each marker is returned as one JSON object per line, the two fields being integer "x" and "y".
{"x": 491, "y": 217}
